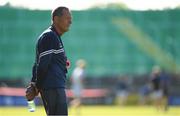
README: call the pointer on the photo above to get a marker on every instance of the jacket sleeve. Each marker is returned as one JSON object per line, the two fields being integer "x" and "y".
{"x": 47, "y": 47}
{"x": 34, "y": 73}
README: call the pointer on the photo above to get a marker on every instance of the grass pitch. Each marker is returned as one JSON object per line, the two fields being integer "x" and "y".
{"x": 95, "y": 111}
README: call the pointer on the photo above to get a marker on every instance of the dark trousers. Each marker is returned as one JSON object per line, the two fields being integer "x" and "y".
{"x": 55, "y": 102}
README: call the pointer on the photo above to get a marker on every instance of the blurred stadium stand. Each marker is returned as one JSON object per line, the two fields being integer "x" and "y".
{"x": 113, "y": 42}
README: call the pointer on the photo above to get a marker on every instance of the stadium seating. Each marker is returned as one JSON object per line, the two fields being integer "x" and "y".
{"x": 94, "y": 37}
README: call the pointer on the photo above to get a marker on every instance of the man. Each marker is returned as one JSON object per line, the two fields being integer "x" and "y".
{"x": 157, "y": 91}
{"x": 50, "y": 68}
{"x": 160, "y": 83}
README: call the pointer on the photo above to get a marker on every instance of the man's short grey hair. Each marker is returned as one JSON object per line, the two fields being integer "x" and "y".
{"x": 58, "y": 11}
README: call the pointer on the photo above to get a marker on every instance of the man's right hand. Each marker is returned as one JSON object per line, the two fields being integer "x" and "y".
{"x": 31, "y": 91}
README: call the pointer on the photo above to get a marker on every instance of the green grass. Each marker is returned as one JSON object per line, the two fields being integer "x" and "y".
{"x": 95, "y": 111}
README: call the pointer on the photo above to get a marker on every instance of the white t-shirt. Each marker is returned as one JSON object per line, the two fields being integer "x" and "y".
{"x": 77, "y": 77}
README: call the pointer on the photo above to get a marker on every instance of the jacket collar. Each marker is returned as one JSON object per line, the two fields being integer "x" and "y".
{"x": 54, "y": 29}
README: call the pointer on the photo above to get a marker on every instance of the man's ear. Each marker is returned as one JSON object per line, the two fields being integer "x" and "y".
{"x": 56, "y": 18}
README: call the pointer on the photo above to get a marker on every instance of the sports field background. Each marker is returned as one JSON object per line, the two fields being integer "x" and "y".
{"x": 116, "y": 43}
{"x": 95, "y": 111}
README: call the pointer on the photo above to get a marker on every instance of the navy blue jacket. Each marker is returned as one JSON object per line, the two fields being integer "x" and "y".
{"x": 49, "y": 70}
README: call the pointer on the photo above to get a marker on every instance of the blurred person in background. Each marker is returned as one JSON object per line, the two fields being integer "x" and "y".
{"x": 50, "y": 68}
{"x": 165, "y": 85}
{"x": 77, "y": 79}
{"x": 144, "y": 93}
{"x": 160, "y": 85}
{"x": 122, "y": 90}
{"x": 156, "y": 89}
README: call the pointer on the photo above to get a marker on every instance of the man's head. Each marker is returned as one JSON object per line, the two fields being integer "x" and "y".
{"x": 61, "y": 19}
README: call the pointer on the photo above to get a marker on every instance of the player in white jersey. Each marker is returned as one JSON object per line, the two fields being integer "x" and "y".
{"x": 77, "y": 82}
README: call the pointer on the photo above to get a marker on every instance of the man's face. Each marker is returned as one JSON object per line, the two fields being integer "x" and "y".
{"x": 64, "y": 21}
